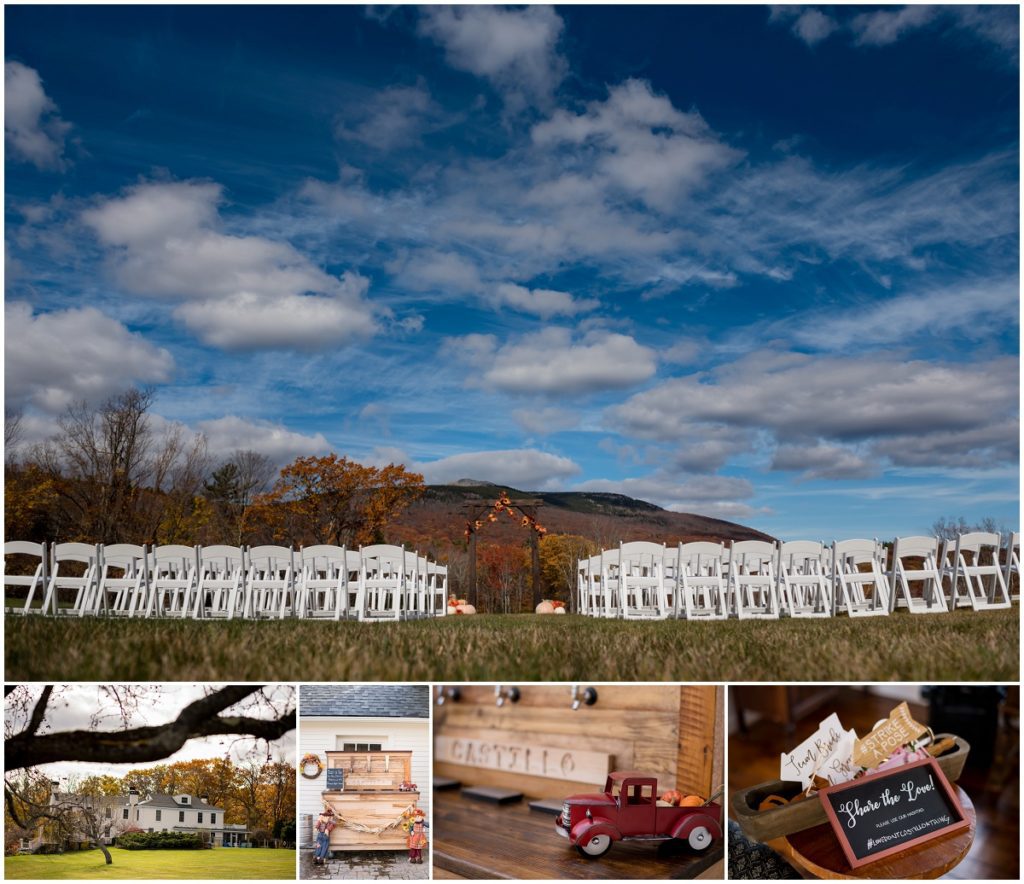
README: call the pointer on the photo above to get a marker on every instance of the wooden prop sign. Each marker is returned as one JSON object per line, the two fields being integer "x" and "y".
{"x": 335, "y": 779}
{"x": 887, "y": 812}
{"x": 885, "y": 739}
{"x": 539, "y": 761}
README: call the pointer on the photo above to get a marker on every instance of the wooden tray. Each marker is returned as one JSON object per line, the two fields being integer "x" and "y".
{"x": 764, "y": 825}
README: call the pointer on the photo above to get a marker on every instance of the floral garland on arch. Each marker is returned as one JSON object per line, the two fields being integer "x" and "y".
{"x": 504, "y": 505}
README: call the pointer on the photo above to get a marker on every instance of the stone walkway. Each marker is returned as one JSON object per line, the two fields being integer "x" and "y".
{"x": 384, "y": 865}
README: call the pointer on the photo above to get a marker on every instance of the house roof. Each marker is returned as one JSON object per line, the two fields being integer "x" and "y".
{"x": 364, "y": 701}
{"x": 162, "y": 800}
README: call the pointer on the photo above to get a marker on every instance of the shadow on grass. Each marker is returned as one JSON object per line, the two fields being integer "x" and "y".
{"x": 959, "y": 646}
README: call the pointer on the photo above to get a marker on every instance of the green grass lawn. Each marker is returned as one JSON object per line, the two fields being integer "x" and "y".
{"x": 958, "y": 646}
{"x": 221, "y": 862}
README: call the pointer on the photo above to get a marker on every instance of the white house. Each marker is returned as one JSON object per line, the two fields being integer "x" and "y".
{"x": 361, "y": 718}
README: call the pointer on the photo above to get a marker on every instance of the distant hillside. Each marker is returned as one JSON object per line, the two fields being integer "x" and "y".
{"x": 440, "y": 516}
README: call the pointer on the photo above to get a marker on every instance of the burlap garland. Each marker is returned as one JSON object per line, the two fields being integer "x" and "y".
{"x": 380, "y": 830}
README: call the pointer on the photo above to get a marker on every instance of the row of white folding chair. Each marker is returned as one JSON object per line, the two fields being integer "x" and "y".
{"x": 222, "y": 581}
{"x": 34, "y": 584}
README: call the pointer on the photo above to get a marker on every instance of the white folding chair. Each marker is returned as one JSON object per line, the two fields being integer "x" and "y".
{"x": 65, "y": 557}
{"x": 269, "y": 582}
{"x": 752, "y": 578}
{"x": 382, "y": 581}
{"x": 323, "y": 586}
{"x": 1012, "y": 565}
{"x": 969, "y": 562}
{"x": 440, "y": 589}
{"x": 860, "y": 587}
{"x": 642, "y": 588}
{"x": 906, "y": 572}
{"x": 703, "y": 589}
{"x": 804, "y": 574}
{"x": 222, "y": 588}
{"x": 123, "y": 580}
{"x": 173, "y": 581}
{"x": 32, "y": 583}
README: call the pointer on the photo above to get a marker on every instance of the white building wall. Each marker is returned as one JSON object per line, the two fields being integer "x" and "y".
{"x": 321, "y": 734}
{"x": 169, "y": 819}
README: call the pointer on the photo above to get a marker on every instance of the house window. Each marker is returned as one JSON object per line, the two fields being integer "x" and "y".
{"x": 184, "y": 799}
{"x": 200, "y": 816}
{"x": 124, "y": 813}
{"x": 362, "y": 747}
{"x": 107, "y": 813}
{"x": 136, "y": 816}
{"x": 181, "y": 816}
{"x": 213, "y": 819}
{"x": 158, "y": 815}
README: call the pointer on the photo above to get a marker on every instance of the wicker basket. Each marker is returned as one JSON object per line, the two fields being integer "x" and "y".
{"x": 764, "y": 825}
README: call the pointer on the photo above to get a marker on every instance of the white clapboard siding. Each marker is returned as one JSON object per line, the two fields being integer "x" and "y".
{"x": 321, "y": 734}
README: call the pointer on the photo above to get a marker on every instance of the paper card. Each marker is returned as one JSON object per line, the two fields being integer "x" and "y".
{"x": 825, "y": 753}
{"x": 898, "y": 730}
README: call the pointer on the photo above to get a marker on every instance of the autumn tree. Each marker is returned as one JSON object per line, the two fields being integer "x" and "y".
{"x": 559, "y": 555}
{"x": 335, "y": 500}
{"x": 502, "y": 573}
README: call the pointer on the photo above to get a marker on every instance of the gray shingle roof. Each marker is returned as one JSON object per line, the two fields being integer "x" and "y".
{"x": 364, "y": 701}
{"x": 162, "y": 800}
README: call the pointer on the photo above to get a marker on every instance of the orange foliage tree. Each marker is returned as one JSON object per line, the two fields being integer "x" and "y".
{"x": 335, "y": 500}
{"x": 503, "y": 572}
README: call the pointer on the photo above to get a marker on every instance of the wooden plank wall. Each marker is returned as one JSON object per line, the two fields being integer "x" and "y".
{"x": 666, "y": 730}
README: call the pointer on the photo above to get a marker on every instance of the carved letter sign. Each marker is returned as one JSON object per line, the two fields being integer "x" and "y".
{"x": 898, "y": 730}
{"x": 536, "y": 761}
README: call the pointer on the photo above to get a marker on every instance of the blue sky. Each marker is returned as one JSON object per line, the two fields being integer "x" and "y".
{"x": 760, "y": 263}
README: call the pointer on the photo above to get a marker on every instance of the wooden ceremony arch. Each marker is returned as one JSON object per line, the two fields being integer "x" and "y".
{"x": 479, "y": 514}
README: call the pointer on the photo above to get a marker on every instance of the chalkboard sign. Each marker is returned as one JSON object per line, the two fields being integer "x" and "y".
{"x": 335, "y": 779}
{"x": 890, "y": 811}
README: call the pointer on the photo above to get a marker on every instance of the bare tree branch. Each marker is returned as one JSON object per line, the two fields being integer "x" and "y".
{"x": 199, "y": 719}
{"x": 39, "y": 711}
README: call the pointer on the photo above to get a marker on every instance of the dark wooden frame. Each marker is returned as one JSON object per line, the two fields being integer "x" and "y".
{"x": 840, "y": 833}
{"x": 527, "y": 508}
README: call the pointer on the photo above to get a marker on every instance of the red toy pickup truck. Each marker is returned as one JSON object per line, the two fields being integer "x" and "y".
{"x": 629, "y": 810}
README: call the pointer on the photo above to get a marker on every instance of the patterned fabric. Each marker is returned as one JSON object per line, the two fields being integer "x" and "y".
{"x": 325, "y": 825}
{"x": 417, "y": 839}
{"x": 749, "y": 860}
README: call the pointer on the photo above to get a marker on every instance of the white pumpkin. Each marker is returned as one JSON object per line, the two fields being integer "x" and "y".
{"x": 451, "y": 609}
{"x": 468, "y": 609}
{"x": 559, "y": 610}
{"x": 545, "y": 608}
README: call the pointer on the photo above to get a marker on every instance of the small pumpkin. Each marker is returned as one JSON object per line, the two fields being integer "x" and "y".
{"x": 673, "y": 797}
{"x": 691, "y": 801}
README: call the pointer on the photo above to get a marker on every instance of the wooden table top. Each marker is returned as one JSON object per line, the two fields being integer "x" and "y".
{"x": 475, "y": 839}
{"x": 817, "y": 851}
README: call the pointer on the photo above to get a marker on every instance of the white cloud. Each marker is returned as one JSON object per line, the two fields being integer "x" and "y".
{"x": 812, "y": 26}
{"x": 430, "y": 270}
{"x": 232, "y": 433}
{"x": 33, "y": 128}
{"x": 394, "y": 117}
{"x": 544, "y": 303}
{"x": 720, "y": 497}
{"x": 973, "y": 309}
{"x": 526, "y": 468}
{"x": 523, "y": 468}
{"x": 239, "y": 292}
{"x": 514, "y": 49}
{"x": 799, "y": 399}
{"x": 55, "y": 359}
{"x": 641, "y": 145}
{"x": 823, "y": 462}
{"x": 553, "y": 362}
{"x": 887, "y": 26}
{"x": 247, "y": 321}
{"x": 543, "y": 421}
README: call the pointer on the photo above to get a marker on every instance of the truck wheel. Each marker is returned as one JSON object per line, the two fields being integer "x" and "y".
{"x": 700, "y": 838}
{"x": 596, "y": 846}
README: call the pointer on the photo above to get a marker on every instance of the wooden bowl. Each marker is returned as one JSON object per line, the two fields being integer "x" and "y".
{"x": 764, "y": 825}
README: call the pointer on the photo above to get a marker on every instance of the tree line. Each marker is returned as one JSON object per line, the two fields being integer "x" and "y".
{"x": 110, "y": 474}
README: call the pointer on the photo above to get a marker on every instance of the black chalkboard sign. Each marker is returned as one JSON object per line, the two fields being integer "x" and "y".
{"x": 335, "y": 779}
{"x": 890, "y": 811}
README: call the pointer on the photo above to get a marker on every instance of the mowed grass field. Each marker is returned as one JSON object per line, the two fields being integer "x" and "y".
{"x": 255, "y": 862}
{"x": 959, "y": 646}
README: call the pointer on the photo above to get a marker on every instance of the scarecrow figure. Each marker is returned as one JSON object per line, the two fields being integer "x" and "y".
{"x": 417, "y": 836}
{"x": 324, "y": 826}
